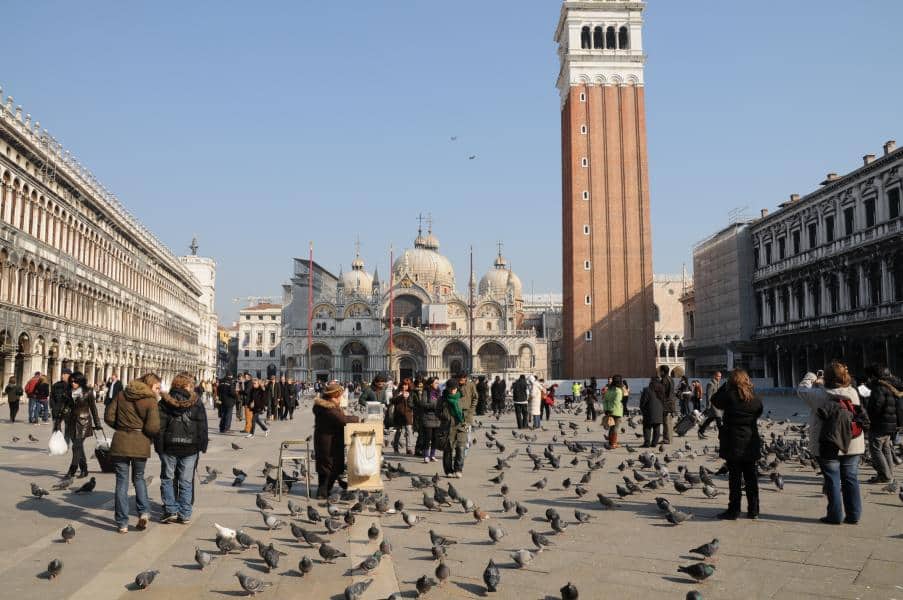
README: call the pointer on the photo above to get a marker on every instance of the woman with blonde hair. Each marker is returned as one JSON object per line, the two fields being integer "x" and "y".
{"x": 836, "y": 439}
{"x": 739, "y": 441}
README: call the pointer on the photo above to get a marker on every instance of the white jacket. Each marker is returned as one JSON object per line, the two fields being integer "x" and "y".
{"x": 816, "y": 397}
{"x": 536, "y": 392}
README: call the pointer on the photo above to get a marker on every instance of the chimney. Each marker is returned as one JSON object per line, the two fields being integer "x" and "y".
{"x": 763, "y": 213}
{"x": 830, "y": 177}
{"x": 889, "y": 147}
{"x": 868, "y": 159}
{"x": 794, "y": 197}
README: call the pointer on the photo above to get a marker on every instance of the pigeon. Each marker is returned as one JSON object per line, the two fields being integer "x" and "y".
{"x": 262, "y": 504}
{"x": 681, "y": 487}
{"x": 88, "y": 487}
{"x": 226, "y": 544}
{"x": 271, "y": 522}
{"x": 410, "y": 519}
{"x": 520, "y": 509}
{"x": 68, "y": 533}
{"x": 453, "y": 493}
{"x": 356, "y": 590}
{"x": 507, "y": 505}
{"x": 252, "y": 585}
{"x": 605, "y": 501}
{"x": 235, "y": 446}
{"x": 663, "y": 503}
{"x": 329, "y": 554}
{"x": 569, "y": 592}
{"x": 498, "y": 478}
{"x": 63, "y": 484}
{"x": 16, "y": 439}
{"x": 559, "y": 526}
{"x": 439, "y": 540}
{"x": 707, "y": 550}
{"x": 698, "y": 571}
{"x": 504, "y": 489}
{"x": 425, "y": 584}
{"x": 778, "y": 480}
{"x": 480, "y": 515}
{"x": 310, "y": 537}
{"x": 312, "y": 515}
{"x": 305, "y": 565}
{"x": 710, "y": 491}
{"x": 523, "y": 557}
{"x": 245, "y": 540}
{"x": 294, "y": 508}
{"x": 385, "y": 547}
{"x": 430, "y": 503}
{"x": 566, "y": 483}
{"x": 551, "y": 513}
{"x": 622, "y": 491}
{"x": 224, "y": 531}
{"x": 442, "y": 572}
{"x": 144, "y": 579}
{"x": 373, "y": 532}
{"x": 239, "y": 479}
{"x": 399, "y": 506}
{"x": 202, "y": 558}
{"x": 333, "y": 525}
{"x": 271, "y": 557}
{"x": 539, "y": 540}
{"x": 38, "y": 492}
{"x": 582, "y": 517}
{"x": 54, "y": 567}
{"x": 492, "y": 577}
{"x": 540, "y": 485}
{"x": 496, "y": 533}
{"x": 694, "y": 595}
{"x": 32, "y": 438}
{"x": 675, "y": 517}
{"x": 439, "y": 552}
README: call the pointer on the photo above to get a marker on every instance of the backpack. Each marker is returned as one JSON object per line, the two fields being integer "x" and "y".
{"x": 180, "y": 433}
{"x": 30, "y": 387}
{"x": 859, "y": 420}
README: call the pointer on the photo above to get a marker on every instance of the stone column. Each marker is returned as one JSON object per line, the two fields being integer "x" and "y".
{"x": 864, "y": 292}
{"x": 887, "y": 291}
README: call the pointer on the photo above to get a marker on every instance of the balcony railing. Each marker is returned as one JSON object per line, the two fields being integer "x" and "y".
{"x": 860, "y": 316}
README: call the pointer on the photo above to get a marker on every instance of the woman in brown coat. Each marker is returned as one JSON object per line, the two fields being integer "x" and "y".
{"x": 329, "y": 437}
{"x": 133, "y": 414}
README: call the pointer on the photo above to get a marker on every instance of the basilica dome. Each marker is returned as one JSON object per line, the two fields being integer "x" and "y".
{"x": 424, "y": 266}
{"x": 495, "y": 283}
{"x": 357, "y": 279}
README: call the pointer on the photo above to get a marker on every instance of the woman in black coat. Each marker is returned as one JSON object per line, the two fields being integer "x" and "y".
{"x": 329, "y": 437}
{"x": 739, "y": 441}
{"x": 79, "y": 414}
{"x": 652, "y": 409}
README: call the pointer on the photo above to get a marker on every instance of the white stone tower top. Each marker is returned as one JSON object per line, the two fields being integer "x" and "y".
{"x": 600, "y": 42}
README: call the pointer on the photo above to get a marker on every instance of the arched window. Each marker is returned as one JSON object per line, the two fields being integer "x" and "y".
{"x": 623, "y": 39}
{"x": 610, "y": 41}
{"x": 663, "y": 351}
{"x": 598, "y": 38}
{"x": 656, "y": 313}
{"x": 585, "y": 41}
{"x": 672, "y": 352}
{"x": 680, "y": 350}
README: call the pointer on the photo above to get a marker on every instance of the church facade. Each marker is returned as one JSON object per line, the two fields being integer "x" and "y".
{"x": 436, "y": 329}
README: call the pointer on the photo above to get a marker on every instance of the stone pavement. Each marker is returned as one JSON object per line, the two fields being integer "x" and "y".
{"x": 628, "y": 552}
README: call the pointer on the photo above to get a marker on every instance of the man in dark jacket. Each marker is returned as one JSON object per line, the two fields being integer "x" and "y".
{"x": 373, "y": 393}
{"x": 182, "y": 437}
{"x": 60, "y": 394}
{"x": 519, "y": 392}
{"x": 652, "y": 409}
{"x": 669, "y": 403}
{"x": 882, "y": 406}
{"x": 227, "y": 400}
{"x": 114, "y": 386}
{"x": 274, "y": 398}
{"x": 498, "y": 396}
{"x": 482, "y": 395}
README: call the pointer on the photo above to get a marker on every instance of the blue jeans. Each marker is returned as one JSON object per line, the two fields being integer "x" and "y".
{"x": 842, "y": 487}
{"x": 121, "y": 504}
{"x": 536, "y": 421}
{"x": 34, "y": 410}
{"x": 179, "y": 468}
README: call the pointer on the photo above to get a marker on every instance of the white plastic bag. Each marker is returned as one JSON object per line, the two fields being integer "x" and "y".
{"x": 57, "y": 444}
{"x": 362, "y": 460}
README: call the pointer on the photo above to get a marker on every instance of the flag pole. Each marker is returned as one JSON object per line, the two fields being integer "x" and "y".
{"x": 391, "y": 308}
{"x": 310, "y": 315}
{"x": 472, "y": 307}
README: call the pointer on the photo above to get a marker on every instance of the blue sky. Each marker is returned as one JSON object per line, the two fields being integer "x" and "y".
{"x": 260, "y": 126}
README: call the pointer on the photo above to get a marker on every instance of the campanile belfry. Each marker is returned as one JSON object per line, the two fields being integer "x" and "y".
{"x": 607, "y": 254}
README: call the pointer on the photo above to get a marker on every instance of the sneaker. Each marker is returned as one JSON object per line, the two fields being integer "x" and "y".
{"x": 250, "y": 435}
{"x": 727, "y": 515}
{"x": 753, "y": 516}
{"x": 123, "y": 530}
{"x": 184, "y": 520}
{"x": 459, "y": 474}
{"x": 142, "y": 522}
{"x": 426, "y": 459}
{"x": 850, "y": 521}
{"x": 169, "y": 518}
{"x": 877, "y": 479}
{"x": 828, "y": 521}
{"x": 266, "y": 433}
{"x": 432, "y": 459}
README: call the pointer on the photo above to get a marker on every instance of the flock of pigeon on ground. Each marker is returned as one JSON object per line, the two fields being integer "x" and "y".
{"x": 643, "y": 471}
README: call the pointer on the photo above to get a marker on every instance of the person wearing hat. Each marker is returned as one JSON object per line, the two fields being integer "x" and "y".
{"x": 374, "y": 393}
{"x": 60, "y": 392}
{"x": 329, "y": 437}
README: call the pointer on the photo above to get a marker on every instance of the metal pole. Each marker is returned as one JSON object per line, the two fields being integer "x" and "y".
{"x": 307, "y": 470}
{"x": 391, "y": 308}
{"x": 470, "y": 358}
{"x": 310, "y": 314}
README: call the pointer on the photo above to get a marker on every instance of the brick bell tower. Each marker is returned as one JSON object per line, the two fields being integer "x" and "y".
{"x": 608, "y": 308}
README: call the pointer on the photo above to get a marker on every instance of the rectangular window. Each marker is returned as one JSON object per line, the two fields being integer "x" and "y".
{"x": 782, "y": 248}
{"x": 272, "y": 337}
{"x": 583, "y": 162}
{"x": 587, "y": 300}
{"x": 582, "y": 97}
{"x": 259, "y": 353}
{"x": 848, "y": 221}
{"x": 272, "y": 317}
{"x": 588, "y": 336}
{"x": 756, "y": 251}
{"x": 767, "y": 253}
{"x": 893, "y": 203}
{"x": 247, "y": 353}
{"x": 260, "y": 317}
{"x": 813, "y": 235}
{"x": 795, "y": 240}
{"x": 272, "y": 353}
{"x": 829, "y": 228}
{"x": 586, "y": 265}
{"x": 583, "y": 129}
{"x": 586, "y": 230}
{"x": 585, "y": 195}
{"x": 870, "y": 212}
{"x": 259, "y": 338}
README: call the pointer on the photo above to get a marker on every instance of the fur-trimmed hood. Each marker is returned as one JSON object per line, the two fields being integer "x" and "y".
{"x": 890, "y": 387}
{"x": 179, "y": 398}
{"x": 137, "y": 390}
{"x": 326, "y": 403}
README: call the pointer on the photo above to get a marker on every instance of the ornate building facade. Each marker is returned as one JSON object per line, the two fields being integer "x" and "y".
{"x": 669, "y": 319}
{"x": 260, "y": 339}
{"x": 82, "y": 283}
{"x": 828, "y": 273}
{"x": 432, "y": 321}
{"x": 204, "y": 271}
{"x": 607, "y": 238}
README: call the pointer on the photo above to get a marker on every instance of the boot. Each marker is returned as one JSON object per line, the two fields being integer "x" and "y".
{"x": 613, "y": 438}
